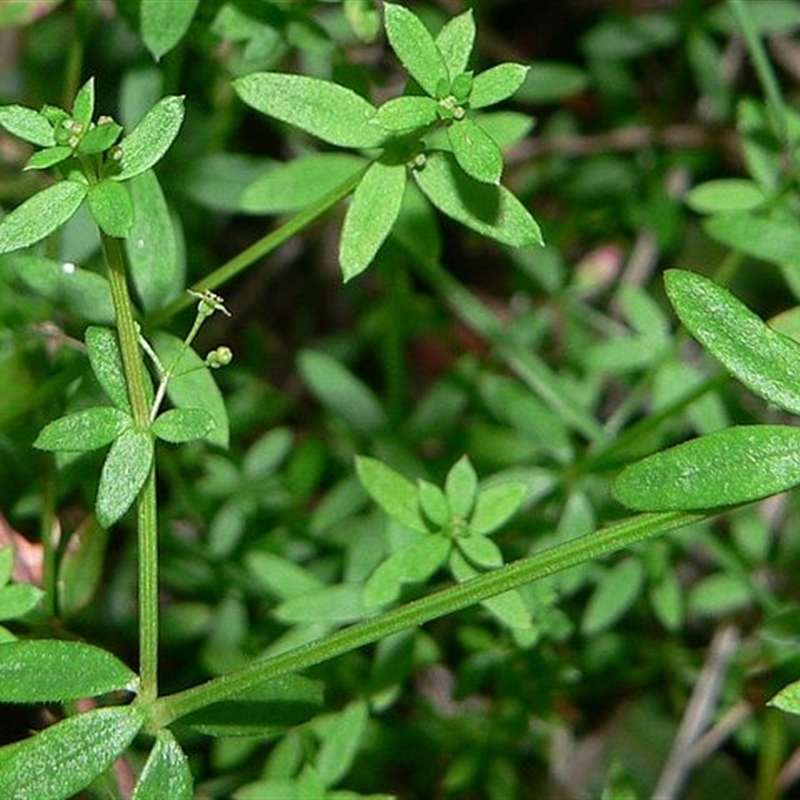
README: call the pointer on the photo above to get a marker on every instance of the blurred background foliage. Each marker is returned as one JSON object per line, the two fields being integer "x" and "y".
{"x": 268, "y": 543}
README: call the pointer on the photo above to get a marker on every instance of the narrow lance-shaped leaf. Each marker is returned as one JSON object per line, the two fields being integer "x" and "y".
{"x": 166, "y": 772}
{"x": 49, "y": 157}
{"x": 415, "y": 47}
{"x": 124, "y": 472}
{"x": 89, "y": 429}
{"x": 461, "y": 486}
{"x": 83, "y": 107}
{"x": 476, "y": 152}
{"x": 396, "y": 495}
{"x": 730, "y": 466}
{"x": 490, "y": 210}
{"x": 152, "y": 246}
{"x": 372, "y": 213}
{"x": 496, "y": 84}
{"x": 765, "y": 361}
{"x": 342, "y": 392}
{"x": 106, "y": 361}
{"x": 147, "y": 143}
{"x": 324, "y": 109}
{"x": 40, "y": 215}
{"x": 183, "y": 425}
{"x": 407, "y": 113}
{"x": 413, "y": 564}
{"x": 111, "y": 208}
{"x": 66, "y": 757}
{"x": 455, "y": 41}
{"x": 495, "y": 505}
{"x": 27, "y": 124}
{"x": 163, "y": 25}
{"x": 49, "y": 671}
{"x": 81, "y": 291}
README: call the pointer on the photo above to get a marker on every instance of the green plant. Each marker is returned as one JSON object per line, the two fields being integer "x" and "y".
{"x": 290, "y": 539}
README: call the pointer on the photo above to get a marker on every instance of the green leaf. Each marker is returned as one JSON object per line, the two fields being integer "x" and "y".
{"x": 27, "y": 124}
{"x": 725, "y": 195}
{"x": 83, "y": 107}
{"x": 552, "y": 82}
{"x": 733, "y": 465}
{"x": 616, "y": 592}
{"x": 455, "y": 41}
{"x": 765, "y": 361}
{"x": 163, "y": 25}
{"x": 413, "y": 564}
{"x": 183, "y": 425}
{"x": 147, "y": 143}
{"x": 341, "y": 735}
{"x": 17, "y": 599}
{"x": 787, "y": 699}
{"x": 363, "y": 18}
{"x": 476, "y": 152}
{"x": 414, "y": 46}
{"x": 79, "y": 290}
{"x": 196, "y": 388}
{"x": 40, "y": 215}
{"x": 125, "y": 470}
{"x": 342, "y": 392}
{"x": 152, "y": 245}
{"x": 408, "y": 113}
{"x": 490, "y": 210}
{"x": 82, "y": 567}
{"x": 64, "y": 758}
{"x": 495, "y": 505}
{"x": 84, "y": 430}
{"x": 299, "y": 183}
{"x": 106, "y": 361}
{"x": 49, "y": 157}
{"x": 433, "y": 502}
{"x": 508, "y": 607}
{"x": 112, "y": 208}
{"x": 461, "y": 487}
{"x": 265, "y": 710}
{"x": 324, "y": 109}
{"x": 49, "y": 671}
{"x": 166, "y": 772}
{"x": 6, "y": 564}
{"x": 100, "y": 138}
{"x": 338, "y": 604}
{"x": 772, "y": 239}
{"x": 372, "y": 213}
{"x": 396, "y": 495}
{"x": 496, "y": 84}
{"x": 480, "y": 551}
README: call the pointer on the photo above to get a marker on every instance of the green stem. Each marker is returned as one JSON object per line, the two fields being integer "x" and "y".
{"x": 147, "y": 510}
{"x": 525, "y": 364}
{"x": 766, "y": 76}
{"x": 439, "y": 604}
{"x": 259, "y": 249}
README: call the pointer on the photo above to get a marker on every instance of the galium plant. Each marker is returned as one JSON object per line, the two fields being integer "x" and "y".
{"x": 438, "y": 141}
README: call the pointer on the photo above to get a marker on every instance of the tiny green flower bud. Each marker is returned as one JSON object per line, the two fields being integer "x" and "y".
{"x": 115, "y": 153}
{"x": 209, "y": 303}
{"x": 219, "y": 357}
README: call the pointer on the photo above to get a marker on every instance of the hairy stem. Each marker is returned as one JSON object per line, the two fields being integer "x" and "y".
{"x": 439, "y": 604}
{"x": 147, "y": 509}
{"x": 261, "y": 248}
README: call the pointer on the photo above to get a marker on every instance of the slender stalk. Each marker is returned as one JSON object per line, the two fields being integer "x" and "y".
{"x": 265, "y": 245}
{"x": 147, "y": 510}
{"x": 527, "y": 366}
{"x": 766, "y": 76}
{"x": 439, "y": 604}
